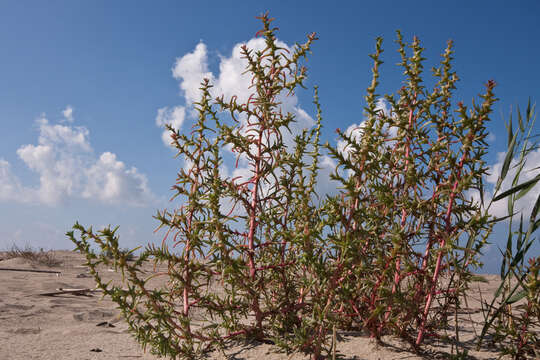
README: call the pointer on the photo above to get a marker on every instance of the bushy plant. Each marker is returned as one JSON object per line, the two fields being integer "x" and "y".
{"x": 404, "y": 228}
{"x": 40, "y": 257}
{"x": 255, "y": 236}
{"x": 512, "y": 318}
{"x": 261, "y": 258}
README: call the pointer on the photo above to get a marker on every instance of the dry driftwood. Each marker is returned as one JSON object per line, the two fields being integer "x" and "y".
{"x": 32, "y": 270}
{"x": 61, "y": 291}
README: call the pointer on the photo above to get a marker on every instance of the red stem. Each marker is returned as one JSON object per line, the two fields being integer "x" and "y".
{"x": 429, "y": 299}
{"x": 397, "y": 277}
{"x": 252, "y": 228}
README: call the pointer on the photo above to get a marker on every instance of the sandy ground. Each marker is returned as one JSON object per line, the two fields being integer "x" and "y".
{"x": 69, "y": 326}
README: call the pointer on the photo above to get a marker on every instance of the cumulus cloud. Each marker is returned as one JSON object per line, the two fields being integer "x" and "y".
{"x": 109, "y": 180}
{"x": 191, "y": 69}
{"x": 530, "y": 170}
{"x": 173, "y": 117}
{"x": 68, "y": 113}
{"x": 231, "y": 80}
{"x": 67, "y": 168}
{"x": 10, "y": 186}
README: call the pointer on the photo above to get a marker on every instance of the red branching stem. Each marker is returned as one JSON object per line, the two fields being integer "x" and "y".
{"x": 187, "y": 275}
{"x": 158, "y": 308}
{"x": 253, "y": 227}
{"x": 374, "y": 297}
{"x": 397, "y": 277}
{"x": 442, "y": 244}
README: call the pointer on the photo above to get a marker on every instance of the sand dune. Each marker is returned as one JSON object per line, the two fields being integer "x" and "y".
{"x": 85, "y": 326}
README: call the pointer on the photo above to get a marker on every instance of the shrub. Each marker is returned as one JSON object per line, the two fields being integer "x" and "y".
{"x": 257, "y": 250}
{"x": 404, "y": 221}
{"x": 40, "y": 256}
{"x": 401, "y": 235}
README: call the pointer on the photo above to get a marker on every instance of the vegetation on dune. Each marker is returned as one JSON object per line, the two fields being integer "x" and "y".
{"x": 393, "y": 252}
{"x": 37, "y": 257}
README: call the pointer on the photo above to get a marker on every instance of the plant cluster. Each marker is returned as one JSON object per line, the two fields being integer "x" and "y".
{"x": 404, "y": 228}
{"x": 40, "y": 256}
{"x": 263, "y": 257}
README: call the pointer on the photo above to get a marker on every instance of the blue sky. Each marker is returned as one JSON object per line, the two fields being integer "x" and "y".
{"x": 113, "y": 64}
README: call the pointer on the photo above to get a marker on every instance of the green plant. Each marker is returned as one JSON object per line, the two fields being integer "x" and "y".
{"x": 130, "y": 256}
{"x": 262, "y": 251}
{"x": 40, "y": 256}
{"x": 514, "y": 322}
{"x": 260, "y": 258}
{"x": 404, "y": 230}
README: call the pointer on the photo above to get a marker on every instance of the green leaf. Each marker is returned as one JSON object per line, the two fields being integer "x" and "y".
{"x": 499, "y": 219}
{"x": 536, "y": 225}
{"x": 519, "y": 242}
{"x": 532, "y": 220}
{"x": 516, "y": 297}
{"x": 535, "y": 209}
{"x": 528, "y": 113}
{"x": 520, "y": 120}
{"x": 479, "y": 278}
{"x": 516, "y": 188}
{"x": 521, "y": 253}
{"x": 524, "y": 191}
{"x": 507, "y": 254}
{"x": 510, "y": 153}
{"x": 510, "y": 130}
{"x": 500, "y": 288}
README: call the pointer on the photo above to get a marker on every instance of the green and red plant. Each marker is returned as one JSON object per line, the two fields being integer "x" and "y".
{"x": 255, "y": 236}
{"x": 405, "y": 231}
{"x": 262, "y": 258}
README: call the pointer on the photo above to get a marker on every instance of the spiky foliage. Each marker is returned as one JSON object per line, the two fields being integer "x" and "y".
{"x": 254, "y": 236}
{"x": 257, "y": 257}
{"x": 405, "y": 231}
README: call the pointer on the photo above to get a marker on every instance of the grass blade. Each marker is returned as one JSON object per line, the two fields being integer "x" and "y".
{"x": 510, "y": 153}
{"x": 516, "y": 188}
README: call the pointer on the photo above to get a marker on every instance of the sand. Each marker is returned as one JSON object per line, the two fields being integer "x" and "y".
{"x": 75, "y": 326}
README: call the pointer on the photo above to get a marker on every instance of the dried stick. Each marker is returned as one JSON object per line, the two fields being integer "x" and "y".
{"x": 32, "y": 270}
{"x": 70, "y": 291}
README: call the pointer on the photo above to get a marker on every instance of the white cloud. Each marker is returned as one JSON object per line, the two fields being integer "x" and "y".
{"x": 110, "y": 181}
{"x": 525, "y": 204}
{"x": 67, "y": 169}
{"x": 355, "y": 132}
{"x": 174, "y": 117}
{"x": 324, "y": 185}
{"x": 232, "y": 80}
{"x": 73, "y": 138}
{"x": 10, "y": 186}
{"x": 192, "y": 68}
{"x": 68, "y": 113}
